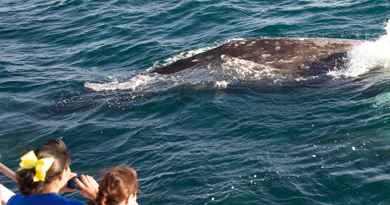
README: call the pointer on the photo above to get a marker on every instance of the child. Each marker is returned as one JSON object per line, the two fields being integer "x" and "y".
{"x": 119, "y": 186}
{"x": 43, "y": 174}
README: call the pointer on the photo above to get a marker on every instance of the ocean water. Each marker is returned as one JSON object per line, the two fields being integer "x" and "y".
{"x": 318, "y": 141}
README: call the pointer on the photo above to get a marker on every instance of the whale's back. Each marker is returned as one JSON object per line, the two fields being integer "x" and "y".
{"x": 309, "y": 55}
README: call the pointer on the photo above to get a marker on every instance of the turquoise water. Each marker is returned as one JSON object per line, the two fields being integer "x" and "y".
{"x": 323, "y": 140}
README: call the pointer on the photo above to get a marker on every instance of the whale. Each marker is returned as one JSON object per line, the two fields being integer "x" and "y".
{"x": 298, "y": 56}
{"x": 244, "y": 60}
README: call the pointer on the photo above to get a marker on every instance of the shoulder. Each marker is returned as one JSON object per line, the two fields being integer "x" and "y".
{"x": 15, "y": 199}
{"x": 60, "y": 200}
{"x": 43, "y": 199}
{"x": 65, "y": 201}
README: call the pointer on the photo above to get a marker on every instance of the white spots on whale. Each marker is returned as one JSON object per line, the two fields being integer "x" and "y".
{"x": 266, "y": 55}
{"x": 237, "y": 68}
{"x": 320, "y": 43}
{"x": 314, "y": 57}
{"x": 285, "y": 61}
{"x": 209, "y": 57}
{"x": 195, "y": 60}
{"x": 277, "y": 46}
{"x": 252, "y": 43}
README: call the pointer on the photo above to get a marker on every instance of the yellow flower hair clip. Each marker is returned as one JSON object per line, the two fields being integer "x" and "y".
{"x": 30, "y": 161}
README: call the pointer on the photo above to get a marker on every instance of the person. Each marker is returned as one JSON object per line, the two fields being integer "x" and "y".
{"x": 119, "y": 186}
{"x": 43, "y": 175}
{"x": 6, "y": 194}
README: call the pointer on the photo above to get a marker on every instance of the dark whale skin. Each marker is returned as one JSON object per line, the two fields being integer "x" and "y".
{"x": 288, "y": 55}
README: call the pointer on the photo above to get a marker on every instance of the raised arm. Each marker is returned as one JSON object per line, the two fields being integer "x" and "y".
{"x": 7, "y": 172}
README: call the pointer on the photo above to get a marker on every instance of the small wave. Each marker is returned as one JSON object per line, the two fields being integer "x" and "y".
{"x": 367, "y": 56}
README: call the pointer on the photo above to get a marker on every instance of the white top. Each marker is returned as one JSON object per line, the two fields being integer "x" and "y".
{"x": 5, "y": 194}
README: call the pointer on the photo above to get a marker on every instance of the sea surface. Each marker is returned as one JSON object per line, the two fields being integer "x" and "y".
{"x": 323, "y": 140}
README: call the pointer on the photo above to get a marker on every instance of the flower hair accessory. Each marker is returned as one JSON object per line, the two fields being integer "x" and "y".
{"x": 30, "y": 161}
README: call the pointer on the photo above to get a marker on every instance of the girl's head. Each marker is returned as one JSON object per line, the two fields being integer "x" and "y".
{"x": 56, "y": 176}
{"x": 118, "y": 186}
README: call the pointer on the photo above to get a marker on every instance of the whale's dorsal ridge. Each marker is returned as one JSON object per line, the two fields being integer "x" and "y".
{"x": 294, "y": 55}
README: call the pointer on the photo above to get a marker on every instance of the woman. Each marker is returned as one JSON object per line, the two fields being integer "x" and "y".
{"x": 44, "y": 174}
{"x": 119, "y": 186}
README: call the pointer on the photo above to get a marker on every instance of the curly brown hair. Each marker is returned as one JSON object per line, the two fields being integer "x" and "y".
{"x": 117, "y": 185}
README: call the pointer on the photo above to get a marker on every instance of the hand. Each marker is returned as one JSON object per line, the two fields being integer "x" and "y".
{"x": 66, "y": 188}
{"x": 88, "y": 187}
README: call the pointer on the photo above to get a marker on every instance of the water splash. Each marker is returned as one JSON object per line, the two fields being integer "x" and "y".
{"x": 367, "y": 56}
{"x": 138, "y": 83}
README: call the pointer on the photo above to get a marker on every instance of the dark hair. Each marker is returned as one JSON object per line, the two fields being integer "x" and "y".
{"x": 54, "y": 148}
{"x": 117, "y": 185}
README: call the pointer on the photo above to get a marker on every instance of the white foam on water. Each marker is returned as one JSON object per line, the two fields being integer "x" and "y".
{"x": 138, "y": 82}
{"x": 367, "y": 56}
{"x": 330, "y": 3}
{"x": 231, "y": 70}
